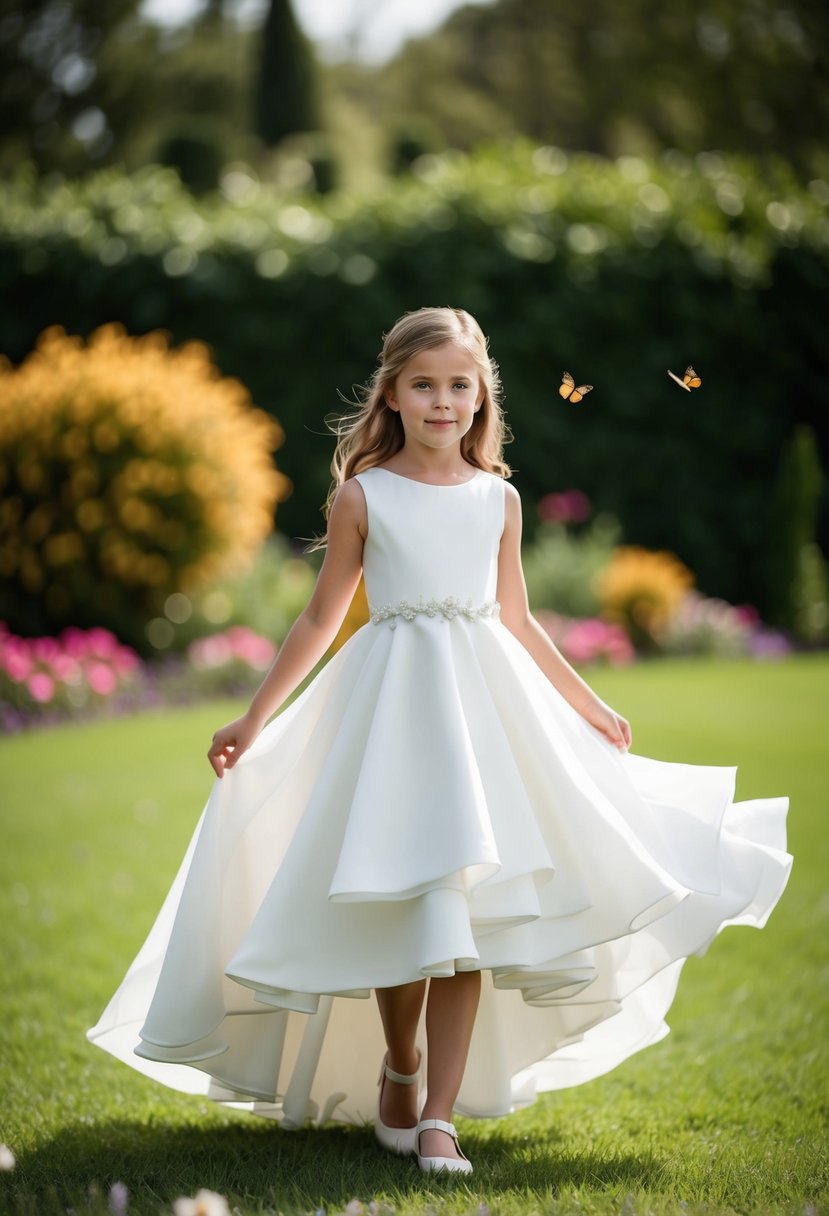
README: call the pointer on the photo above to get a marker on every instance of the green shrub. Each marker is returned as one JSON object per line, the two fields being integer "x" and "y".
{"x": 265, "y": 599}
{"x": 194, "y": 149}
{"x": 798, "y": 590}
{"x": 562, "y": 567}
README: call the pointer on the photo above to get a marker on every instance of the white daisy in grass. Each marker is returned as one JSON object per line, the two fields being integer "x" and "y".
{"x": 203, "y": 1203}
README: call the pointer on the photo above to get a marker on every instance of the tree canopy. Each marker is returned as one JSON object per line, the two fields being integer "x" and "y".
{"x": 84, "y": 83}
{"x": 639, "y": 77}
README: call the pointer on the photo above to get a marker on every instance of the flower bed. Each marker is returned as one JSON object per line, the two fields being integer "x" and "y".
{"x": 83, "y": 672}
{"x": 589, "y": 640}
{"x": 52, "y": 677}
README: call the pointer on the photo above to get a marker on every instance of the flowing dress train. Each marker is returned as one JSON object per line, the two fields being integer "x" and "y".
{"x": 429, "y": 804}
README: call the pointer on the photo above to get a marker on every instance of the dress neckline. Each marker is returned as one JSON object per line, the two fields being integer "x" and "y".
{"x": 432, "y": 485}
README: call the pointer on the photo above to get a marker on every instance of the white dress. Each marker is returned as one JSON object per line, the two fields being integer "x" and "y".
{"x": 429, "y": 804}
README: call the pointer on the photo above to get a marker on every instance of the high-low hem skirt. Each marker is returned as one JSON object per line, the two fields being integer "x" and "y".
{"x": 431, "y": 804}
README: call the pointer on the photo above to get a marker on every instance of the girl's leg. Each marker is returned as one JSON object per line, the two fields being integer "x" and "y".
{"x": 400, "y": 1013}
{"x": 450, "y": 1017}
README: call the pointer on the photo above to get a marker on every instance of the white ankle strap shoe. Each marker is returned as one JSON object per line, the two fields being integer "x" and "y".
{"x": 452, "y": 1165}
{"x": 401, "y": 1140}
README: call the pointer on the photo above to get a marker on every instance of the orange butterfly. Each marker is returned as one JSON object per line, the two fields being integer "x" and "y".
{"x": 569, "y": 391}
{"x": 689, "y": 380}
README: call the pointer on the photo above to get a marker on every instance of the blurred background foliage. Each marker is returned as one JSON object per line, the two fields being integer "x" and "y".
{"x": 745, "y": 76}
{"x": 611, "y": 189}
{"x": 616, "y": 270}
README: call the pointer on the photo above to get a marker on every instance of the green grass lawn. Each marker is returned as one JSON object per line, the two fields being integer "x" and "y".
{"x": 726, "y": 1114}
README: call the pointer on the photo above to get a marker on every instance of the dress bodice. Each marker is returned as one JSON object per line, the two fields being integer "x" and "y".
{"x": 430, "y": 543}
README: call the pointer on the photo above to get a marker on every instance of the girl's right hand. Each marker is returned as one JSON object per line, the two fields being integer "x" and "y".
{"x": 231, "y": 742}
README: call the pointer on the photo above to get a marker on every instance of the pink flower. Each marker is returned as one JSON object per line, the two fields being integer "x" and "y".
{"x": 238, "y": 642}
{"x": 206, "y": 653}
{"x": 588, "y": 640}
{"x": 101, "y": 643}
{"x": 125, "y": 661}
{"x": 101, "y": 679}
{"x": 748, "y": 614}
{"x": 41, "y": 686}
{"x": 17, "y": 664}
{"x": 67, "y": 669}
{"x": 45, "y": 650}
{"x": 566, "y": 507}
{"x": 74, "y": 642}
{"x": 250, "y": 647}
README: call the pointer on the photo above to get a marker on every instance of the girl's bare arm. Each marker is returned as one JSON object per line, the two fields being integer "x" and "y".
{"x": 516, "y": 615}
{"x": 311, "y": 633}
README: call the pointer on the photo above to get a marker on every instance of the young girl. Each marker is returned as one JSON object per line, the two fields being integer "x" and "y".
{"x": 447, "y": 815}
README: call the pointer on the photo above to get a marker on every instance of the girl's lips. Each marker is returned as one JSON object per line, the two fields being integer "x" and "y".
{"x": 442, "y": 422}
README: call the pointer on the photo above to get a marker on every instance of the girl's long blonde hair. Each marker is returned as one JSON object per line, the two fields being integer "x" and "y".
{"x": 372, "y": 434}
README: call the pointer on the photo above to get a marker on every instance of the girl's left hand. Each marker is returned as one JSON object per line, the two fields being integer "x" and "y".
{"x": 613, "y": 726}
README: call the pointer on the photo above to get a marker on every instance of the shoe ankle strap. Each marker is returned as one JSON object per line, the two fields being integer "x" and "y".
{"x": 400, "y": 1077}
{"x": 439, "y": 1125}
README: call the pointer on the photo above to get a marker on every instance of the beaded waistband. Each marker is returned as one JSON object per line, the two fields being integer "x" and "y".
{"x": 448, "y": 609}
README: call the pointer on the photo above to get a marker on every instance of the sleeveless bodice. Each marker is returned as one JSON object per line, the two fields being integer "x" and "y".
{"x": 430, "y": 544}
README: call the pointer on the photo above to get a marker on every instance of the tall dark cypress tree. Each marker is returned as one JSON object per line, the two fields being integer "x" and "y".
{"x": 286, "y": 96}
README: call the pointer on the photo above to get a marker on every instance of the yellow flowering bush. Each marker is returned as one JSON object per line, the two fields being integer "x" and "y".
{"x": 128, "y": 471}
{"x": 356, "y": 616}
{"x": 642, "y": 590}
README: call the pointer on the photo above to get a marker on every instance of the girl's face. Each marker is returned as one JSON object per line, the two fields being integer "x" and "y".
{"x": 437, "y": 394}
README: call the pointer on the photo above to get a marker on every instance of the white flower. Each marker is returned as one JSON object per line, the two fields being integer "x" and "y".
{"x": 204, "y": 1203}
{"x": 6, "y": 1159}
{"x": 118, "y": 1197}
{"x": 354, "y": 1208}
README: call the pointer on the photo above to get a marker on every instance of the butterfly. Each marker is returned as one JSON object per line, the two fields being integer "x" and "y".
{"x": 689, "y": 380}
{"x": 569, "y": 391}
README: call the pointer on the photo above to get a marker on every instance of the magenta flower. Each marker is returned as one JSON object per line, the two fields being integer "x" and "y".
{"x": 74, "y": 642}
{"x": 45, "y": 650}
{"x": 565, "y": 507}
{"x": 748, "y": 614}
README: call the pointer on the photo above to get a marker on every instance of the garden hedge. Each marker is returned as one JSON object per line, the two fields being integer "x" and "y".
{"x": 615, "y": 271}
